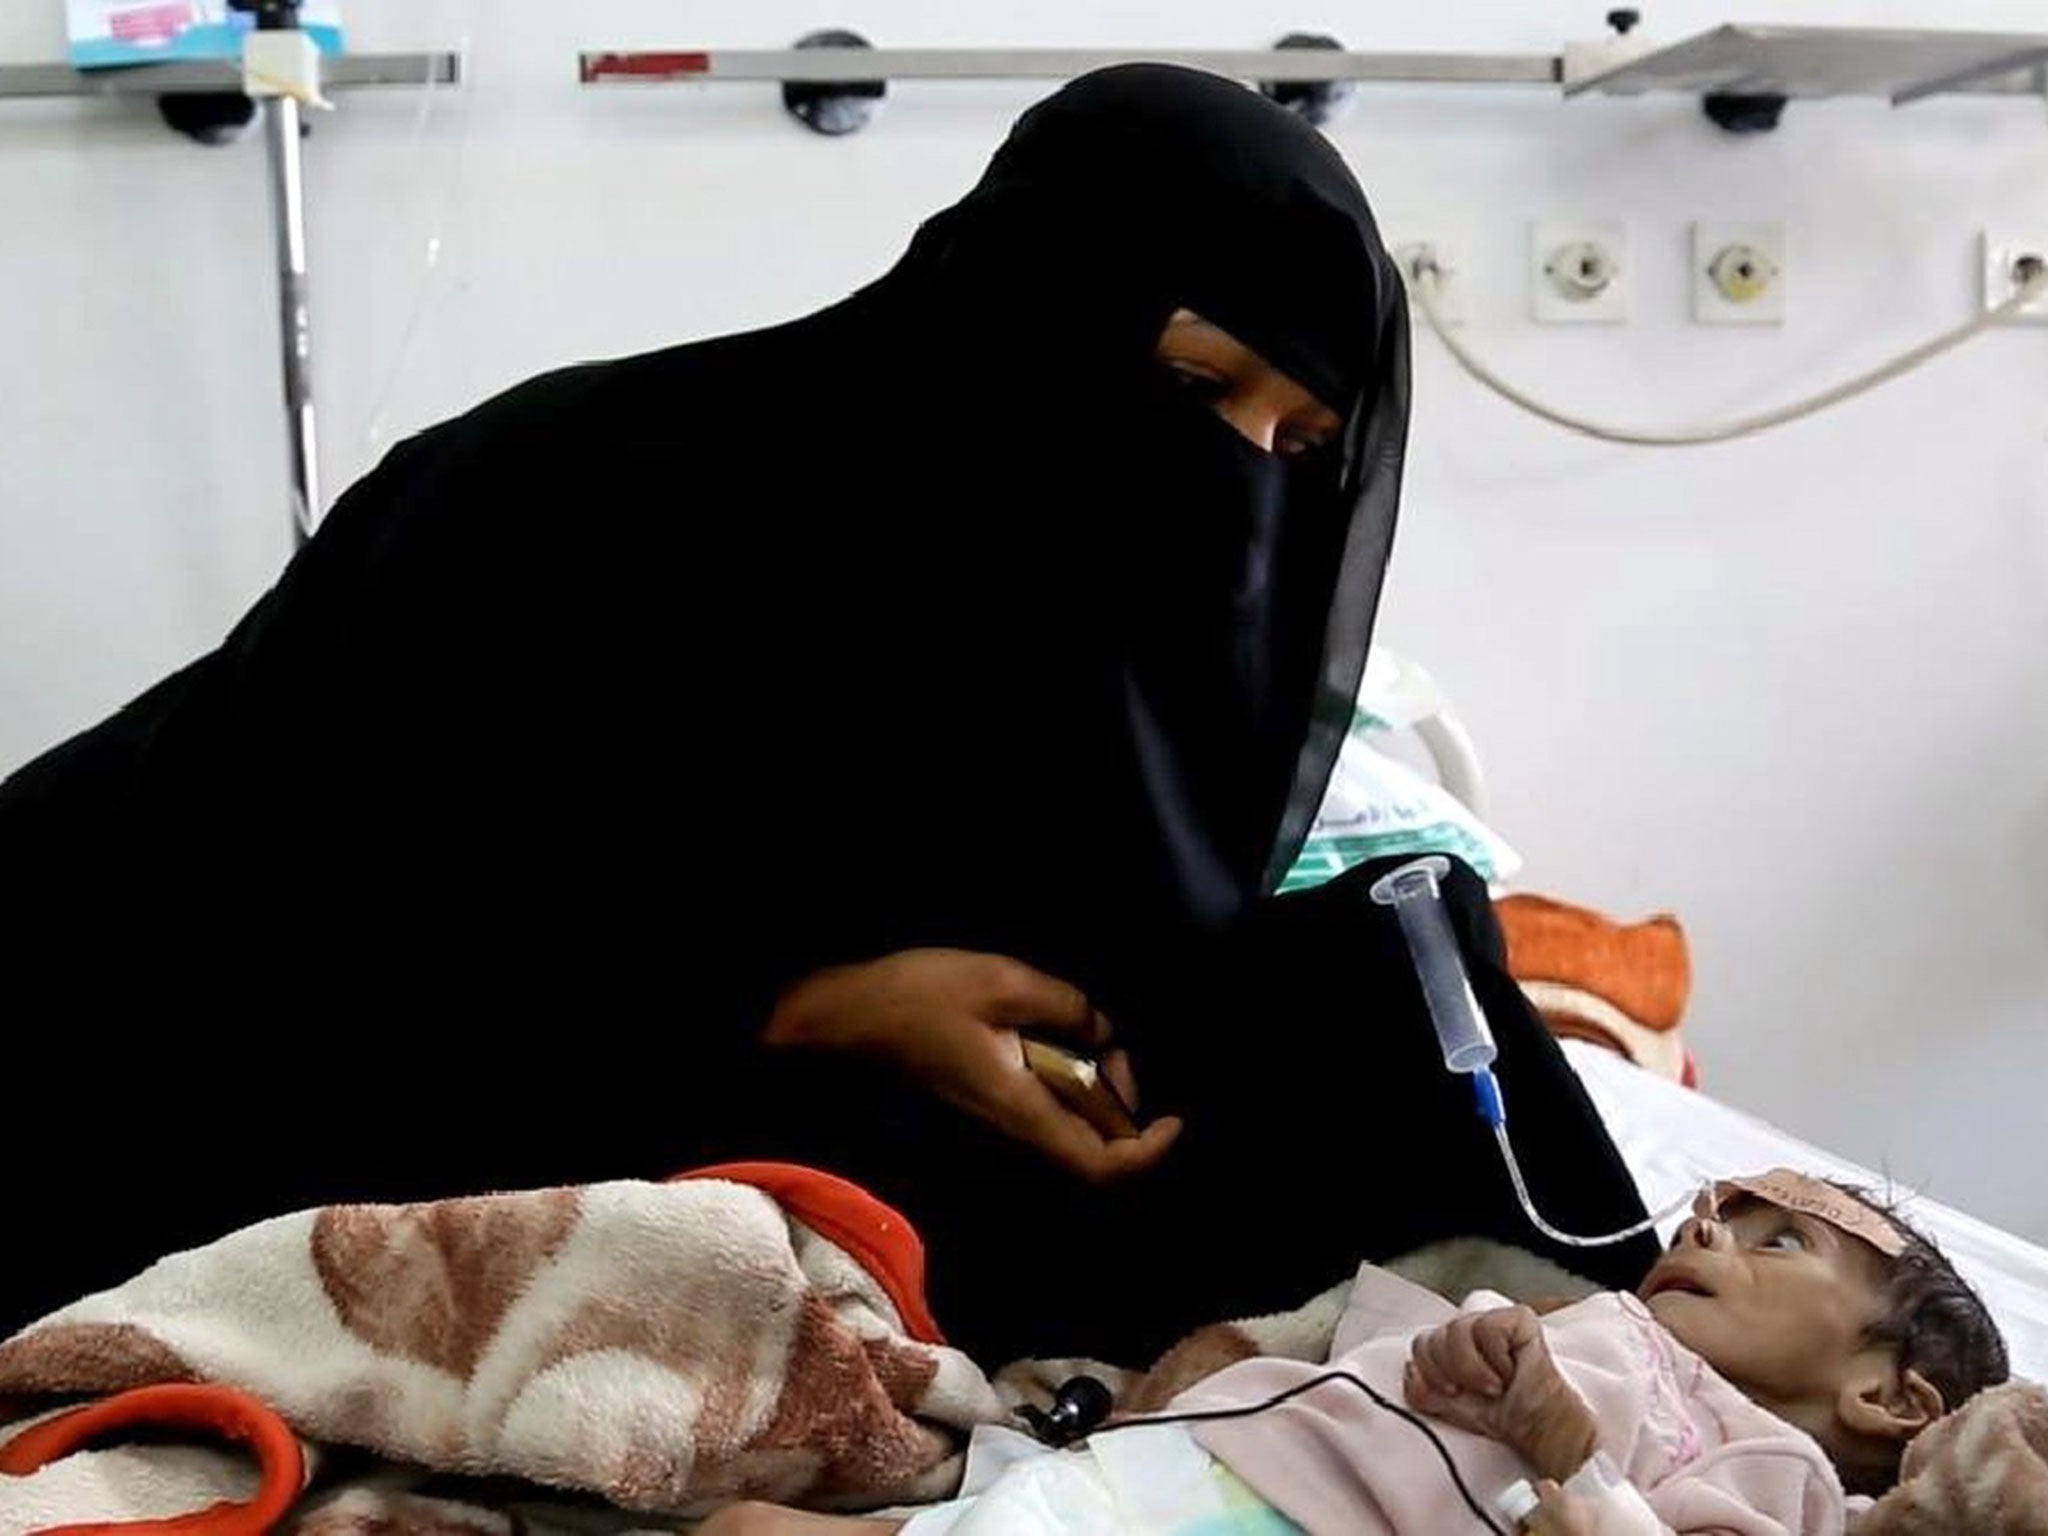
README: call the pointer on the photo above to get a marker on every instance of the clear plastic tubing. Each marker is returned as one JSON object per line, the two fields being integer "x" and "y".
{"x": 1413, "y": 891}
{"x": 1461, "y": 1029}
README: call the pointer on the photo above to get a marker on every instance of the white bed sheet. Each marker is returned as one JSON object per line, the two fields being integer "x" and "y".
{"x": 1674, "y": 1139}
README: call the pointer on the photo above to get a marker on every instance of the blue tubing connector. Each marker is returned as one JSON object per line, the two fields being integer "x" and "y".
{"x": 1486, "y": 1089}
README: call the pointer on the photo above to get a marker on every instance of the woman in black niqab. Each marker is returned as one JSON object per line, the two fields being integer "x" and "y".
{"x": 1139, "y": 610}
{"x": 822, "y": 664}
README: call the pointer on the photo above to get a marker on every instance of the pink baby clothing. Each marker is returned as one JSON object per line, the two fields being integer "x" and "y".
{"x": 1704, "y": 1457}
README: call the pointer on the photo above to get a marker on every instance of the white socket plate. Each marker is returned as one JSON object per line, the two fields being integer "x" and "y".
{"x": 1712, "y": 307}
{"x": 2002, "y": 247}
{"x": 1450, "y": 283}
{"x": 1548, "y": 304}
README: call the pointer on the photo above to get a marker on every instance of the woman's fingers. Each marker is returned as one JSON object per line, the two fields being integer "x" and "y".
{"x": 1136, "y": 1154}
{"x": 1122, "y": 1156}
{"x": 1116, "y": 1066}
{"x": 1030, "y": 1112}
{"x": 1020, "y": 997}
{"x": 952, "y": 1019}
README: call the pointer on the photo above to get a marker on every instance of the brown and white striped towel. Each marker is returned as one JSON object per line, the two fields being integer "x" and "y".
{"x": 647, "y": 1348}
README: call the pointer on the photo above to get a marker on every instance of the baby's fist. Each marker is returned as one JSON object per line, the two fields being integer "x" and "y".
{"x": 1475, "y": 1353}
{"x": 1491, "y": 1373}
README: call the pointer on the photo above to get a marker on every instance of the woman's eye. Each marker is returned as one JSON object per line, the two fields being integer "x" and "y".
{"x": 1204, "y": 386}
{"x": 1786, "y": 1239}
{"x": 1295, "y": 445}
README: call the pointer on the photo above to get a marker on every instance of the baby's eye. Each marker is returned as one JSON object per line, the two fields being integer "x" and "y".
{"x": 1786, "y": 1239}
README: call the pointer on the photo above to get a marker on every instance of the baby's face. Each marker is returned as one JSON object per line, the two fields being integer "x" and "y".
{"x": 1775, "y": 1300}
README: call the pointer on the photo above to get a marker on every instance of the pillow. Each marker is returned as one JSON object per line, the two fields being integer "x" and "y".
{"x": 1376, "y": 806}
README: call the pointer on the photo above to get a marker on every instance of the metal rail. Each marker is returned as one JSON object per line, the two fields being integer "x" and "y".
{"x": 342, "y": 72}
{"x": 831, "y": 65}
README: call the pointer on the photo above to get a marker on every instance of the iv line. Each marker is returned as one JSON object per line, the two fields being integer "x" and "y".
{"x": 1414, "y": 891}
{"x": 1494, "y": 1113}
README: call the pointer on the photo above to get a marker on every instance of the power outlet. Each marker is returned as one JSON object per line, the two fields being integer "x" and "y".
{"x": 1738, "y": 274}
{"x": 1579, "y": 272}
{"x": 1431, "y": 261}
{"x": 2005, "y": 255}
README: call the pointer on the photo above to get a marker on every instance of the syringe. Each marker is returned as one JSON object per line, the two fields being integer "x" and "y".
{"x": 1461, "y": 1028}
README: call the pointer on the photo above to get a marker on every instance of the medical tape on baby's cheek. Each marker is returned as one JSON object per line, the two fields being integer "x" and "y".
{"x": 1793, "y": 1191}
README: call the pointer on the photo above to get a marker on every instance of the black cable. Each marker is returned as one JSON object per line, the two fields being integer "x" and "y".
{"x": 1247, "y": 1410}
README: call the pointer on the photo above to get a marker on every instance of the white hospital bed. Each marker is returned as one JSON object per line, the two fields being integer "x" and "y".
{"x": 1674, "y": 1139}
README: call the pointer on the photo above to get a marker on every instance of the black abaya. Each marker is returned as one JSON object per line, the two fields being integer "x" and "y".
{"x": 476, "y": 854}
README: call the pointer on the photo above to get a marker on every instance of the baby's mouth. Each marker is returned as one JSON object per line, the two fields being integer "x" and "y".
{"x": 1675, "y": 1281}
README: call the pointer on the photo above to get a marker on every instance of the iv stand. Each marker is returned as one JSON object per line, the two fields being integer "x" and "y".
{"x": 281, "y": 129}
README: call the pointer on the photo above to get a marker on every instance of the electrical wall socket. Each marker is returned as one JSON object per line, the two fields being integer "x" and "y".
{"x": 1579, "y": 271}
{"x": 2004, "y": 250}
{"x": 1738, "y": 273}
{"x": 1448, "y": 284}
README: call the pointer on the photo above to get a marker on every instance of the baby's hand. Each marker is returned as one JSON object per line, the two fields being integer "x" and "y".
{"x": 1491, "y": 1373}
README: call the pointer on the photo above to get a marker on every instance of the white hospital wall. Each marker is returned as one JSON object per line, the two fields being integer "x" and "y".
{"x": 1791, "y": 689}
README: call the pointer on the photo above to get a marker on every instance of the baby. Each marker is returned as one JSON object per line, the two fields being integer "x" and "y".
{"x": 1774, "y": 1363}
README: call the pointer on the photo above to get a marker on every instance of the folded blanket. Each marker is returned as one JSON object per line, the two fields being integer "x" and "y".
{"x": 659, "y": 1348}
{"x": 1621, "y": 985}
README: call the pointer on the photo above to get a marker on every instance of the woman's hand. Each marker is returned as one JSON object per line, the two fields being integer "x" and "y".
{"x": 950, "y": 1018}
{"x": 1491, "y": 1373}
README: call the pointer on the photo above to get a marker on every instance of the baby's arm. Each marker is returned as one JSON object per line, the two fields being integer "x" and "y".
{"x": 1491, "y": 1373}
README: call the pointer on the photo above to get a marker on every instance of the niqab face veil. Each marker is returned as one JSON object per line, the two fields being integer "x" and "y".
{"x": 1173, "y": 621}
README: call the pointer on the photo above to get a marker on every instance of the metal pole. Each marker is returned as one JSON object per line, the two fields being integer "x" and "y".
{"x": 1969, "y": 75}
{"x": 287, "y": 202}
{"x": 619, "y": 66}
{"x": 288, "y": 216}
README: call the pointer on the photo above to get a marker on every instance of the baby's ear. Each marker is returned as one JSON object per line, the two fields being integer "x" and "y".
{"x": 1888, "y": 1404}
